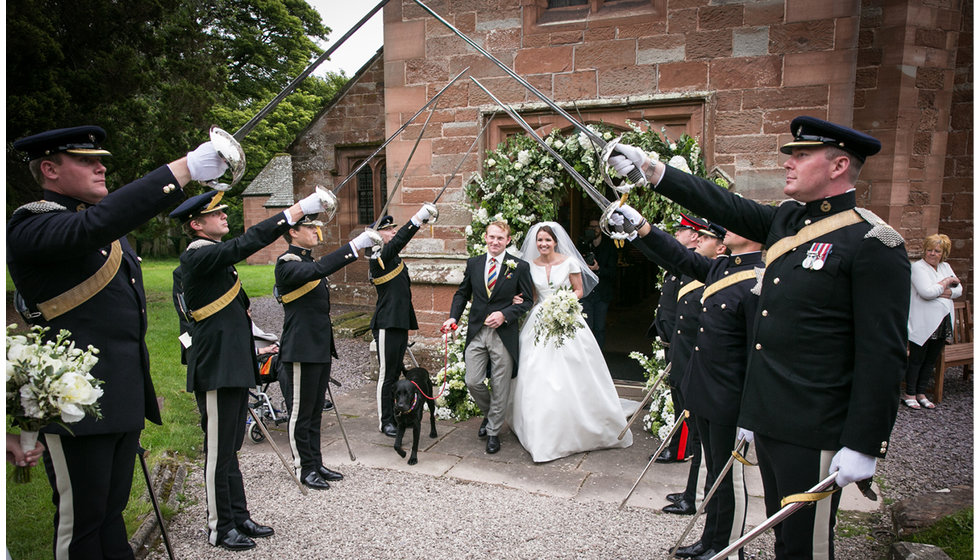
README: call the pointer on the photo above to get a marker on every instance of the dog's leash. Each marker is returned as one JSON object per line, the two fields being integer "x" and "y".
{"x": 445, "y": 364}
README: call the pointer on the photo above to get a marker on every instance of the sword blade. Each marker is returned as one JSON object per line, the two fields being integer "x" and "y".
{"x": 275, "y": 447}
{"x": 398, "y": 182}
{"x": 247, "y": 127}
{"x": 399, "y": 131}
{"x": 714, "y": 487}
{"x": 141, "y": 453}
{"x": 460, "y": 164}
{"x": 588, "y": 187}
{"x": 645, "y": 400}
{"x": 341, "y": 424}
{"x": 776, "y": 518}
{"x": 547, "y": 101}
{"x": 663, "y": 445}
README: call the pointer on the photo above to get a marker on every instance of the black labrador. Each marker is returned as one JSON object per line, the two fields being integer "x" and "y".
{"x": 410, "y": 406}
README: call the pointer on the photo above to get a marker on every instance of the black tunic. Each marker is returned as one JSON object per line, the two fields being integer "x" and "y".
{"x": 393, "y": 309}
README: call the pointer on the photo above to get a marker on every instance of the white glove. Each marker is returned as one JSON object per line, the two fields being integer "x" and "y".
{"x": 427, "y": 211}
{"x": 748, "y": 435}
{"x": 852, "y": 466}
{"x": 315, "y": 203}
{"x": 616, "y": 219}
{"x": 205, "y": 164}
{"x": 627, "y": 158}
{"x": 362, "y": 241}
{"x": 632, "y": 215}
{"x": 618, "y": 230}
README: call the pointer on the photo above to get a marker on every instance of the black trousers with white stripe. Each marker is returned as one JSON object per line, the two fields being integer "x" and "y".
{"x": 392, "y": 344}
{"x": 789, "y": 469}
{"x": 223, "y": 413}
{"x": 90, "y": 479}
{"x": 725, "y": 513}
{"x": 309, "y": 384}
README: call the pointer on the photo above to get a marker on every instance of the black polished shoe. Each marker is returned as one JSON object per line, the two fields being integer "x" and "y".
{"x": 682, "y": 507}
{"x": 667, "y": 456}
{"x": 328, "y": 474}
{"x": 252, "y": 529}
{"x": 675, "y": 497}
{"x": 315, "y": 481}
{"x": 493, "y": 444}
{"x": 233, "y": 540}
{"x": 706, "y": 555}
{"x": 691, "y": 550}
{"x": 482, "y": 432}
{"x": 327, "y": 405}
{"x": 389, "y": 430}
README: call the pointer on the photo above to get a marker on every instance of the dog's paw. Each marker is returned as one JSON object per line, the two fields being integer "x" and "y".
{"x": 400, "y": 451}
{"x": 433, "y": 434}
{"x": 413, "y": 460}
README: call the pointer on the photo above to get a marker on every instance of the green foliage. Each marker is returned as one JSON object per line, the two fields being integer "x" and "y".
{"x": 660, "y": 419}
{"x": 954, "y": 534}
{"x": 170, "y": 70}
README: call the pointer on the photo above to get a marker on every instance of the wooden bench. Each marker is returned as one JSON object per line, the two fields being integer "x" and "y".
{"x": 960, "y": 352}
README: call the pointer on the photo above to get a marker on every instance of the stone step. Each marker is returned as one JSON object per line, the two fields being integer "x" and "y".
{"x": 351, "y": 325}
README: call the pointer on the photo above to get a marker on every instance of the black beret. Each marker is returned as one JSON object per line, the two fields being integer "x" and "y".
{"x": 811, "y": 132}
{"x": 385, "y": 222}
{"x": 194, "y": 206}
{"x": 78, "y": 140}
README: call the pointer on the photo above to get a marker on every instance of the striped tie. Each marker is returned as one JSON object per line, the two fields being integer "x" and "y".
{"x": 492, "y": 276}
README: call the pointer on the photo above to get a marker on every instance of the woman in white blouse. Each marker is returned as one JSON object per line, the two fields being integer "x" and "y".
{"x": 930, "y": 316}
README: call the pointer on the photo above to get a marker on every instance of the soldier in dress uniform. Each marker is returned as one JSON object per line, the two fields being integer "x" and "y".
{"x": 712, "y": 384}
{"x": 665, "y": 316}
{"x": 69, "y": 259}
{"x": 686, "y": 322}
{"x": 307, "y": 343}
{"x": 828, "y": 349}
{"x": 221, "y": 364}
{"x": 393, "y": 315}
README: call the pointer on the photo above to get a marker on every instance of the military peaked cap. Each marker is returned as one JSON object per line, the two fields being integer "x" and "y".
{"x": 199, "y": 205}
{"x": 78, "y": 140}
{"x": 691, "y": 222}
{"x": 813, "y": 132}
{"x": 714, "y": 230}
{"x": 384, "y": 223}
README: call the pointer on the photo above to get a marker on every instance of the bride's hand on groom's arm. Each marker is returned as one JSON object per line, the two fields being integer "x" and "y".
{"x": 518, "y": 299}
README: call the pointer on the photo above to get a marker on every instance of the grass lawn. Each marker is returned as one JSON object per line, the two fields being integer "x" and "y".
{"x": 29, "y": 509}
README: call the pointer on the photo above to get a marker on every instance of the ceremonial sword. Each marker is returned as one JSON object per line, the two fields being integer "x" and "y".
{"x": 646, "y": 399}
{"x": 677, "y": 425}
{"x": 228, "y": 145}
{"x": 268, "y": 436}
{"x": 736, "y": 453}
{"x": 141, "y": 453}
{"x": 635, "y": 176}
{"x": 607, "y": 207}
{"x": 339, "y": 423}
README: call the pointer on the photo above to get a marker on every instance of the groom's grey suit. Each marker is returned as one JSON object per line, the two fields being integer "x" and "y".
{"x": 498, "y": 347}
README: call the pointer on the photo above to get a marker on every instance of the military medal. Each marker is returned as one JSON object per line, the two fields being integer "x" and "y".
{"x": 816, "y": 256}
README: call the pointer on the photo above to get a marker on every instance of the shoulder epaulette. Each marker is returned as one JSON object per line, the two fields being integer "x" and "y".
{"x": 880, "y": 229}
{"x": 198, "y": 243}
{"x": 289, "y": 257}
{"x": 40, "y": 207}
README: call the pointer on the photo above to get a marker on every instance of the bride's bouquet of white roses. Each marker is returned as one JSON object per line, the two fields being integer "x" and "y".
{"x": 48, "y": 382}
{"x": 560, "y": 316}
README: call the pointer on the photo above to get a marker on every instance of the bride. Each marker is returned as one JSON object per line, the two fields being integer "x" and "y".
{"x": 563, "y": 401}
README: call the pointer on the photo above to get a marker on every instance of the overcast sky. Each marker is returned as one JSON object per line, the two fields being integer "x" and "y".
{"x": 340, "y": 16}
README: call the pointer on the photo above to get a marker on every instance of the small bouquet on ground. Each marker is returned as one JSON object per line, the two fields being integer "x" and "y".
{"x": 560, "y": 316}
{"x": 48, "y": 382}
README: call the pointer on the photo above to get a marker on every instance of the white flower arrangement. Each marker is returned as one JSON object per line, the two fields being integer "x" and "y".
{"x": 48, "y": 382}
{"x": 510, "y": 264}
{"x": 660, "y": 419}
{"x": 559, "y": 318}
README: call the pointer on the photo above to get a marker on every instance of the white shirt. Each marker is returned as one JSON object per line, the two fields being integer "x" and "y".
{"x": 926, "y": 308}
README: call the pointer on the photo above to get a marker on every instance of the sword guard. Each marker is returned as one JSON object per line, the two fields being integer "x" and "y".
{"x": 635, "y": 177}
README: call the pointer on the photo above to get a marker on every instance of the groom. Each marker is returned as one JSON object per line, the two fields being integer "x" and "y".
{"x": 492, "y": 280}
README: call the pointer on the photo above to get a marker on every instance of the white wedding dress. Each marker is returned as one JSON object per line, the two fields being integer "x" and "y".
{"x": 563, "y": 400}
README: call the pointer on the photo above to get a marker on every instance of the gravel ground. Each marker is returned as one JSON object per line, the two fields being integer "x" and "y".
{"x": 391, "y": 514}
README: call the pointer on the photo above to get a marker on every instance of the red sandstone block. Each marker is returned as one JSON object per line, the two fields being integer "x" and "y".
{"x": 577, "y": 85}
{"x": 544, "y": 60}
{"x": 737, "y": 123}
{"x": 682, "y": 21}
{"x": 605, "y": 33}
{"x": 536, "y": 40}
{"x": 807, "y": 69}
{"x": 802, "y": 37}
{"x": 745, "y": 144}
{"x": 641, "y": 30}
{"x": 763, "y": 13}
{"x": 807, "y": 10}
{"x": 777, "y": 122}
{"x": 479, "y": 65}
{"x": 565, "y": 38}
{"x": 423, "y": 71}
{"x": 628, "y": 80}
{"x": 681, "y": 76}
{"x": 933, "y": 78}
{"x": 729, "y": 100}
{"x": 506, "y": 89}
{"x": 404, "y": 40}
{"x": 503, "y": 40}
{"x": 544, "y": 83}
{"x": 776, "y": 98}
{"x": 405, "y": 99}
{"x": 682, "y": 4}
{"x": 605, "y": 54}
{"x": 745, "y": 73}
{"x": 720, "y": 17}
{"x": 709, "y": 44}
{"x": 455, "y": 145}
{"x": 866, "y": 78}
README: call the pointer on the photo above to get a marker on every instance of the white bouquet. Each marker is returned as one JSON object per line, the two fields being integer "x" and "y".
{"x": 48, "y": 382}
{"x": 560, "y": 316}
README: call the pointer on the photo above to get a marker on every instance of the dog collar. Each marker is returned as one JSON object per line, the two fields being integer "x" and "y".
{"x": 415, "y": 401}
